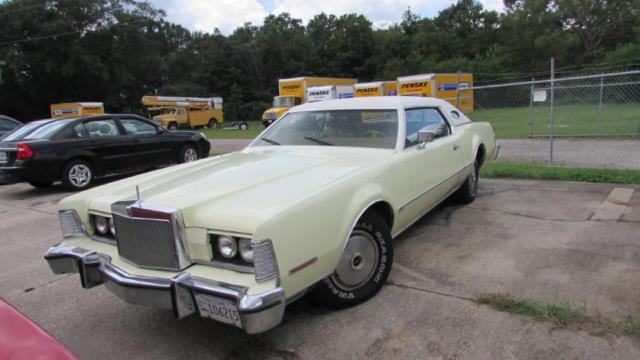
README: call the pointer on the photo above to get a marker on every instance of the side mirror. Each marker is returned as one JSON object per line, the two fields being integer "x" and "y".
{"x": 426, "y": 136}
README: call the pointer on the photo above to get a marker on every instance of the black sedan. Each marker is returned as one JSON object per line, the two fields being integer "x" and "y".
{"x": 76, "y": 151}
{"x": 8, "y": 124}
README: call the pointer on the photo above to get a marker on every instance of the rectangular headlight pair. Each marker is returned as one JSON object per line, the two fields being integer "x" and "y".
{"x": 71, "y": 224}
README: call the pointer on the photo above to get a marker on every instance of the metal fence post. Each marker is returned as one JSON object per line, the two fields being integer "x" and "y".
{"x": 599, "y": 123}
{"x": 531, "y": 108}
{"x": 551, "y": 124}
{"x": 458, "y": 89}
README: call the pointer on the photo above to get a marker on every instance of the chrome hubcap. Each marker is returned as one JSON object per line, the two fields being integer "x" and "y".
{"x": 358, "y": 262}
{"x": 79, "y": 175}
{"x": 190, "y": 155}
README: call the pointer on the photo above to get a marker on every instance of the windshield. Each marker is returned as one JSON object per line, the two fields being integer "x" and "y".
{"x": 24, "y": 130}
{"x": 283, "y": 101}
{"x": 48, "y": 130}
{"x": 354, "y": 128}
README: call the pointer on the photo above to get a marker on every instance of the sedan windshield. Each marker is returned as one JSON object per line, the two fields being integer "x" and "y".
{"x": 354, "y": 128}
{"x": 47, "y": 131}
{"x": 24, "y": 130}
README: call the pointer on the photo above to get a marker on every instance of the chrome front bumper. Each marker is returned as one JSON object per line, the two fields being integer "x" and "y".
{"x": 258, "y": 313}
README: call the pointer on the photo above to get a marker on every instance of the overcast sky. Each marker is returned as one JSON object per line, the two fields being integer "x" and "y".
{"x": 226, "y": 15}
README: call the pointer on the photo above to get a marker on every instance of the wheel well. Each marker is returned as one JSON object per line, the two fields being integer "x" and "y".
{"x": 480, "y": 155}
{"x": 384, "y": 210}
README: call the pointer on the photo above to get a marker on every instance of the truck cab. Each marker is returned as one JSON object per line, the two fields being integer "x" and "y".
{"x": 280, "y": 105}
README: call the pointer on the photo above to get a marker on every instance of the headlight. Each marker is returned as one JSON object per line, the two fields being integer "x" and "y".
{"x": 112, "y": 227}
{"x": 70, "y": 224}
{"x": 246, "y": 251}
{"x": 227, "y": 246}
{"x": 102, "y": 225}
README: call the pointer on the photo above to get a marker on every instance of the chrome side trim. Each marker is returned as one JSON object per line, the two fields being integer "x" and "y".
{"x": 432, "y": 188}
{"x": 303, "y": 265}
{"x": 258, "y": 312}
{"x": 423, "y": 214}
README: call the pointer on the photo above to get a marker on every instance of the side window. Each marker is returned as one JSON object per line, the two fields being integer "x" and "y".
{"x": 6, "y": 125}
{"x": 78, "y": 131}
{"x": 101, "y": 128}
{"x": 426, "y": 118}
{"x": 137, "y": 127}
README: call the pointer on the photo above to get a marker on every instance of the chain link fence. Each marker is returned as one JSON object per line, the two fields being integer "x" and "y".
{"x": 592, "y": 121}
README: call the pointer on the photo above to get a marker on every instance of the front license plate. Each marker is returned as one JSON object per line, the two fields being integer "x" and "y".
{"x": 218, "y": 309}
{"x": 3, "y": 157}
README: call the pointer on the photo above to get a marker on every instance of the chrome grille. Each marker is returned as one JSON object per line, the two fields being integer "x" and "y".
{"x": 146, "y": 242}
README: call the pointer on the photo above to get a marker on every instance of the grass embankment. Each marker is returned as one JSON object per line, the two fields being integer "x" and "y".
{"x": 502, "y": 169}
{"x": 255, "y": 127}
{"x": 513, "y": 123}
{"x": 562, "y": 315}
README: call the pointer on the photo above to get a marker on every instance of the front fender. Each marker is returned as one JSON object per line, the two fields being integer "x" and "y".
{"x": 309, "y": 237}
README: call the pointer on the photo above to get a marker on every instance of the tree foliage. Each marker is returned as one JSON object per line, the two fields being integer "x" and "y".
{"x": 116, "y": 51}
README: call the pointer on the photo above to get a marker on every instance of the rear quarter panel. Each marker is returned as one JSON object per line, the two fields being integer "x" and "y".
{"x": 472, "y": 135}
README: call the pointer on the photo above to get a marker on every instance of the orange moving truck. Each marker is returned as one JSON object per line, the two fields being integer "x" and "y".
{"x": 376, "y": 88}
{"x": 455, "y": 88}
{"x": 293, "y": 92}
{"x": 75, "y": 109}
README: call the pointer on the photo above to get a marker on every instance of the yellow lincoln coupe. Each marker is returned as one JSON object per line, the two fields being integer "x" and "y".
{"x": 310, "y": 206}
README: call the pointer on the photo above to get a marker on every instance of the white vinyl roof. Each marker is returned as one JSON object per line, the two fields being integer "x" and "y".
{"x": 384, "y": 102}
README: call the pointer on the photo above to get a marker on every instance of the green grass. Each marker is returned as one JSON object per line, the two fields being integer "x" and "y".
{"x": 560, "y": 314}
{"x": 557, "y": 313}
{"x": 502, "y": 169}
{"x": 255, "y": 127}
{"x": 510, "y": 123}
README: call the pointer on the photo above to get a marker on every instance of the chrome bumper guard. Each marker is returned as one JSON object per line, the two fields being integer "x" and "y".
{"x": 258, "y": 313}
{"x": 496, "y": 152}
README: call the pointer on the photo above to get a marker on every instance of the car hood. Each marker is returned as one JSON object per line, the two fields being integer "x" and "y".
{"x": 237, "y": 191}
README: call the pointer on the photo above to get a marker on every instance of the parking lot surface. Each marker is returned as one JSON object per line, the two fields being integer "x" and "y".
{"x": 555, "y": 242}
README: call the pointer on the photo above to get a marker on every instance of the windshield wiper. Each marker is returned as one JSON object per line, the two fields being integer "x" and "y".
{"x": 272, "y": 142}
{"x": 321, "y": 142}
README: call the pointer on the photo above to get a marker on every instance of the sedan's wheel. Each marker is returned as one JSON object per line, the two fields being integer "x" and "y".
{"x": 77, "y": 175}
{"x": 188, "y": 154}
{"x": 469, "y": 190}
{"x": 363, "y": 267}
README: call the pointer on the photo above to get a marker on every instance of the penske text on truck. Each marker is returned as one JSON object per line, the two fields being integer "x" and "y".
{"x": 454, "y": 88}
{"x": 376, "y": 88}
{"x": 326, "y": 92}
{"x": 75, "y": 109}
{"x": 173, "y": 112}
{"x": 293, "y": 92}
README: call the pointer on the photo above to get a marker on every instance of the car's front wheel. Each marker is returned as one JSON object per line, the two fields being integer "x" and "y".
{"x": 363, "y": 267}
{"x": 77, "y": 175}
{"x": 188, "y": 153}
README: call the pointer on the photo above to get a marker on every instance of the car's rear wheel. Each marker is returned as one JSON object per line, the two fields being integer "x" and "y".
{"x": 188, "y": 153}
{"x": 77, "y": 175}
{"x": 40, "y": 184}
{"x": 469, "y": 190}
{"x": 363, "y": 267}
{"x": 243, "y": 126}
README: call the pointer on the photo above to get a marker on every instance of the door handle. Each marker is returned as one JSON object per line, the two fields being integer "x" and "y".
{"x": 456, "y": 147}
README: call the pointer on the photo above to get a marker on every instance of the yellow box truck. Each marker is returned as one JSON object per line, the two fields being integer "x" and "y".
{"x": 293, "y": 92}
{"x": 376, "y": 88}
{"x": 75, "y": 109}
{"x": 455, "y": 88}
{"x": 173, "y": 112}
